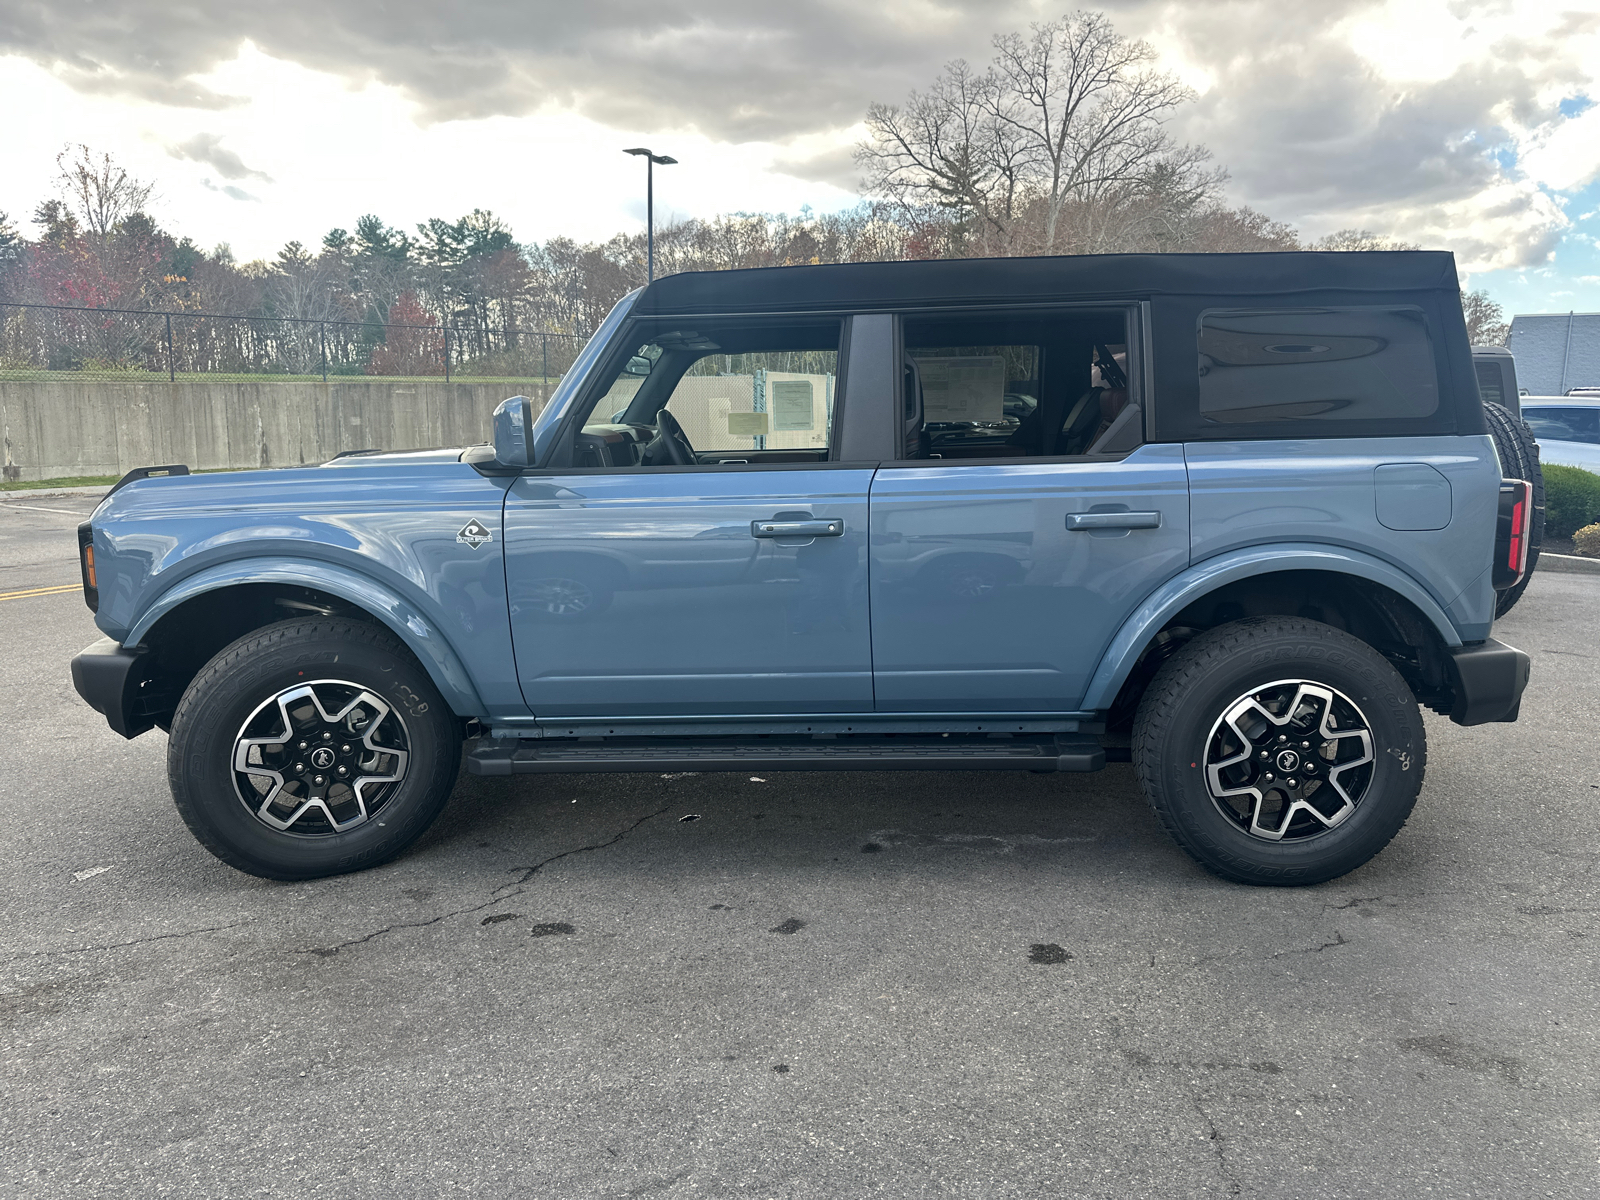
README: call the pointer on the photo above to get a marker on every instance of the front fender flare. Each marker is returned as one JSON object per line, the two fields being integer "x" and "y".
{"x": 1183, "y": 589}
{"x": 435, "y": 654}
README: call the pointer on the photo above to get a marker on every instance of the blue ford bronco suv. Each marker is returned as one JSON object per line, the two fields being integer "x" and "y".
{"x": 1232, "y": 517}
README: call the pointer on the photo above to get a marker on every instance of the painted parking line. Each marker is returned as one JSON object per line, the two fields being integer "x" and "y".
{"x": 63, "y": 512}
{"x": 42, "y": 591}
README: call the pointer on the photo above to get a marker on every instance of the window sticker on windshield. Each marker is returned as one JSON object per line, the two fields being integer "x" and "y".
{"x": 963, "y": 389}
{"x": 747, "y": 424}
{"x": 790, "y": 401}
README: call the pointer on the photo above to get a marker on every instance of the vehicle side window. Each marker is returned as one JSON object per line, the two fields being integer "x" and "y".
{"x": 1490, "y": 387}
{"x": 1033, "y": 387}
{"x": 1564, "y": 424}
{"x": 1315, "y": 364}
{"x": 765, "y": 400}
{"x": 717, "y": 395}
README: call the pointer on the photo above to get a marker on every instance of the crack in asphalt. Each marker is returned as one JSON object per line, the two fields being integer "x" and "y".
{"x": 158, "y": 937}
{"x": 1217, "y": 1140}
{"x": 501, "y": 894}
{"x": 1338, "y": 940}
{"x": 1353, "y": 902}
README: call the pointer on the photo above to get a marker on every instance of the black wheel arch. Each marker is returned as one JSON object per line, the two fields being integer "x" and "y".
{"x": 178, "y": 645}
{"x": 1377, "y": 615}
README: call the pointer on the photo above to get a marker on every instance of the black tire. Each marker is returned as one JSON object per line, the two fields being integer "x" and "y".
{"x": 411, "y": 735}
{"x": 1519, "y": 459}
{"x": 1180, "y": 734}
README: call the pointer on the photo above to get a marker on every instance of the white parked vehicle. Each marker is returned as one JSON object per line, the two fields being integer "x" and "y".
{"x": 1567, "y": 429}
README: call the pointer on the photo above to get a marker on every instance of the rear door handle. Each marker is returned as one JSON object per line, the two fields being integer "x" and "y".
{"x": 783, "y": 529}
{"x": 1114, "y": 520}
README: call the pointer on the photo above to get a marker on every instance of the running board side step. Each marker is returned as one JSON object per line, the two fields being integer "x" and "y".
{"x": 865, "y": 752}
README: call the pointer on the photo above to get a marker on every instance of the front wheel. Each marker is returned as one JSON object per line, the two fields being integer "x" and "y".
{"x": 1280, "y": 751}
{"x": 311, "y": 748}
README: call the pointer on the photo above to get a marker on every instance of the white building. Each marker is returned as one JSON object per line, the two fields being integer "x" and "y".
{"x": 1556, "y": 352}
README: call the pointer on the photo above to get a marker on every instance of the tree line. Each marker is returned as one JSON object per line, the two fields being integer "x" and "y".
{"x": 1059, "y": 145}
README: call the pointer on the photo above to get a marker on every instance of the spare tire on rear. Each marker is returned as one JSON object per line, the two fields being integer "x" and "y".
{"x": 1519, "y": 459}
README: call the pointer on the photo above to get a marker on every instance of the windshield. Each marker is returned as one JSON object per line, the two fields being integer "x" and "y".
{"x": 549, "y": 418}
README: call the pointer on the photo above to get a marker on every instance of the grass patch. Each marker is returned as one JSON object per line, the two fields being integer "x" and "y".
{"x": 33, "y": 485}
{"x": 33, "y": 376}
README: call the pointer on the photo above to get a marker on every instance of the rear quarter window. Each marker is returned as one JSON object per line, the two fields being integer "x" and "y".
{"x": 1324, "y": 370}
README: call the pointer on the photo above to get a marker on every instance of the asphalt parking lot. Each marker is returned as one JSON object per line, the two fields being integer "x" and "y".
{"x": 806, "y": 985}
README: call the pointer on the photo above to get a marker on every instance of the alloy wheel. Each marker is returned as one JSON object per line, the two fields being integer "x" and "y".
{"x": 320, "y": 758}
{"x": 1289, "y": 760}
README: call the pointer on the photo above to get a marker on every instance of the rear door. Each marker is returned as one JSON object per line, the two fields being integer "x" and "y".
{"x": 1026, "y": 521}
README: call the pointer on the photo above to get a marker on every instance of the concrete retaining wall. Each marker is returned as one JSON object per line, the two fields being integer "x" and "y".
{"x": 56, "y": 429}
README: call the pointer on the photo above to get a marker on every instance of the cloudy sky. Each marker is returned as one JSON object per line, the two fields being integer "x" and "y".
{"x": 1460, "y": 124}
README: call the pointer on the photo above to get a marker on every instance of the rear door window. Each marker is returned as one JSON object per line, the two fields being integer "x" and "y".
{"x": 1018, "y": 387}
{"x": 1320, "y": 366}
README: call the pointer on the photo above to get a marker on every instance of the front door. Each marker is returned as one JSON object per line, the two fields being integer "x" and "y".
{"x": 662, "y": 593}
{"x": 702, "y": 556}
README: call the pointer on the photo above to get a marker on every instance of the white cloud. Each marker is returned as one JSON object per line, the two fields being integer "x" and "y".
{"x": 336, "y": 150}
{"x": 1432, "y": 120}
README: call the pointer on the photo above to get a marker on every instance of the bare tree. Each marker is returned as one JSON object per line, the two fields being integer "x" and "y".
{"x": 103, "y": 193}
{"x": 1486, "y": 320}
{"x": 1088, "y": 106}
{"x": 1069, "y": 115}
{"x": 1360, "y": 239}
{"x": 948, "y": 148}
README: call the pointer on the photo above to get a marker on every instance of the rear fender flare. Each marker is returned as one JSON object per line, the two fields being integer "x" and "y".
{"x": 435, "y": 654}
{"x": 1185, "y": 588}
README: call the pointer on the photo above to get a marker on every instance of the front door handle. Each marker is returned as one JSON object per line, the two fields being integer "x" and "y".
{"x": 1113, "y": 520}
{"x": 785, "y": 529}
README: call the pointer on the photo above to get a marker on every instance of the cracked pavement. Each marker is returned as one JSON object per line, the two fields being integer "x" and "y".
{"x": 828, "y": 985}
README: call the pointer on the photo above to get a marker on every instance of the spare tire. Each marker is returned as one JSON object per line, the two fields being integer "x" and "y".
{"x": 1519, "y": 459}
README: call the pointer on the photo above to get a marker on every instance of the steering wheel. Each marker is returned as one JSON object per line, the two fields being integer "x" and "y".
{"x": 670, "y": 434}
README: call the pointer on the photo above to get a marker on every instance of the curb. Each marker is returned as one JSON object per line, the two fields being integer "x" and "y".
{"x": 1567, "y": 564}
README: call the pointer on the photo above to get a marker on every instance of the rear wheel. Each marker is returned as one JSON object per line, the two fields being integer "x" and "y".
{"x": 1278, "y": 750}
{"x": 311, "y": 748}
{"x": 1519, "y": 459}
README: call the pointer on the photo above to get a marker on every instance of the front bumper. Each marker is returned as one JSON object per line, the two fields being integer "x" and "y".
{"x": 116, "y": 682}
{"x": 1488, "y": 679}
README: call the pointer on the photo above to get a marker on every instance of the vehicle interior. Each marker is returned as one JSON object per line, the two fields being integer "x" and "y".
{"x": 974, "y": 387}
{"x": 711, "y": 394}
{"x": 1011, "y": 387}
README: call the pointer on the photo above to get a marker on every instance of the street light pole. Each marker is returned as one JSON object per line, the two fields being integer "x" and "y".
{"x": 651, "y": 158}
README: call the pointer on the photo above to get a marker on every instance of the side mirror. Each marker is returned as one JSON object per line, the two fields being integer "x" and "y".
{"x": 513, "y": 422}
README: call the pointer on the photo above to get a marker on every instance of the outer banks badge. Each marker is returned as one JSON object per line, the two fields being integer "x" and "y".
{"x": 474, "y": 533}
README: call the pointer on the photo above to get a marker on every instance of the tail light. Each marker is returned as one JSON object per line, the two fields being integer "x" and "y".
{"x": 91, "y": 585}
{"x": 1512, "y": 532}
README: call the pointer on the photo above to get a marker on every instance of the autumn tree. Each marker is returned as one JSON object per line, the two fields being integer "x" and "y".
{"x": 414, "y": 344}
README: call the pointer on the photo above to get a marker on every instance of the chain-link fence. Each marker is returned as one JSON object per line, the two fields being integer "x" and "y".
{"x": 55, "y": 342}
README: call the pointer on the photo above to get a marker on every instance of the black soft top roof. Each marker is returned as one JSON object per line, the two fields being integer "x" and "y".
{"x": 943, "y": 282}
